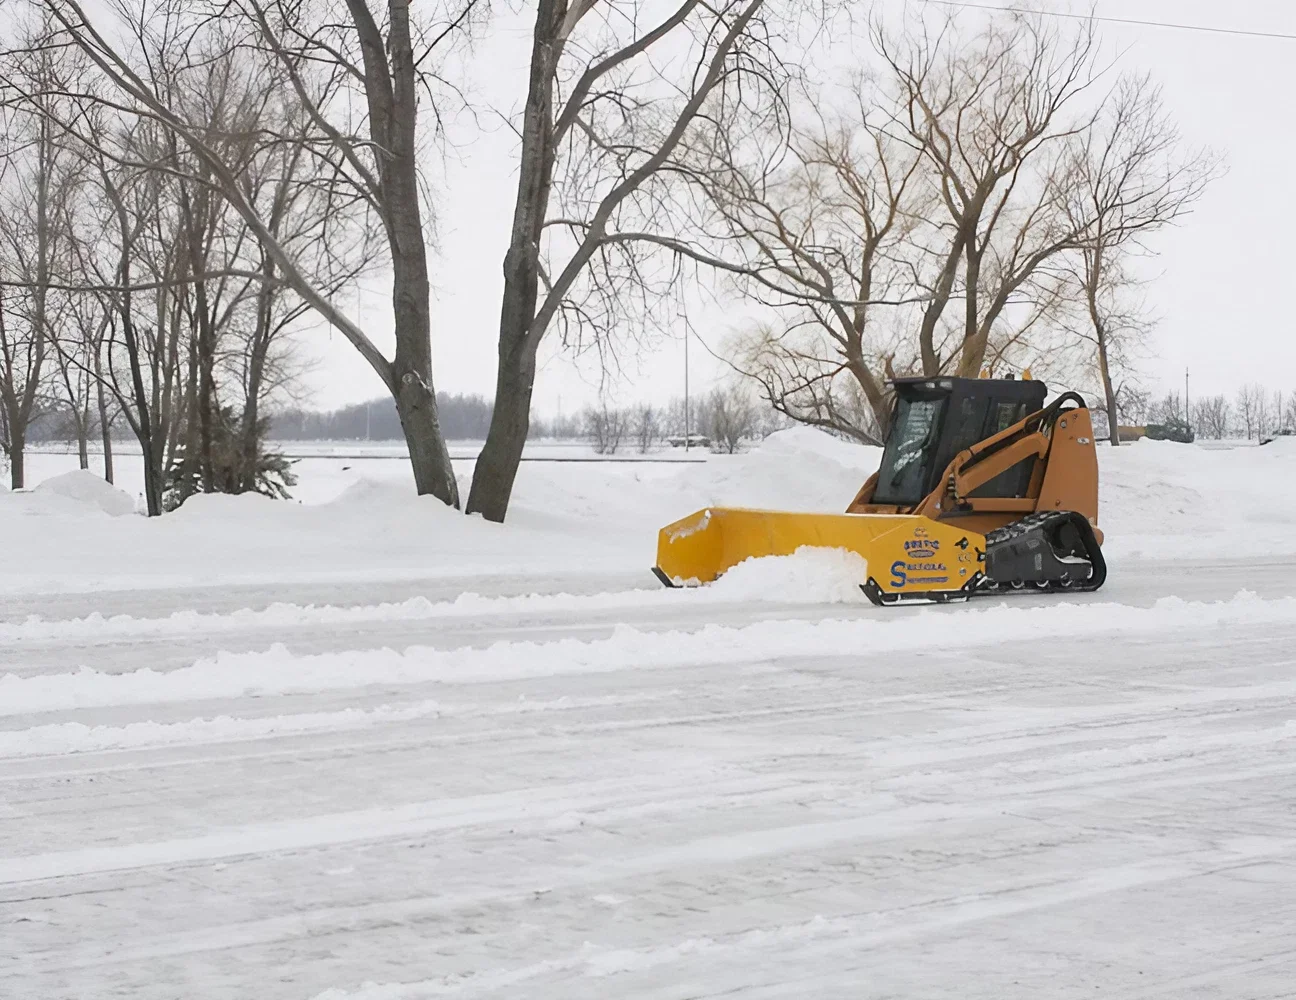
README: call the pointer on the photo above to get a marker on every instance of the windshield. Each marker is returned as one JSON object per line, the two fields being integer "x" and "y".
{"x": 906, "y": 463}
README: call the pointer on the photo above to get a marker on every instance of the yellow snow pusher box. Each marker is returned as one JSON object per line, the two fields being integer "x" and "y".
{"x": 981, "y": 489}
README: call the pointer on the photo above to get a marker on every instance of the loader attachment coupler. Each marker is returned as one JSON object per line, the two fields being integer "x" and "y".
{"x": 981, "y": 489}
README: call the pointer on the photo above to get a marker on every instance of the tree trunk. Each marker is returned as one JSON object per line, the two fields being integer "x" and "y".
{"x": 497, "y": 465}
{"x": 1094, "y": 272}
{"x": 429, "y": 457}
{"x": 108, "y": 455}
{"x": 410, "y": 377}
{"x": 190, "y": 425}
{"x": 878, "y": 400}
{"x": 152, "y": 475}
{"x": 105, "y": 425}
{"x": 976, "y": 331}
{"x": 248, "y": 446}
{"x": 145, "y": 431}
{"x": 17, "y": 455}
{"x": 1113, "y": 417}
{"x": 83, "y": 444}
{"x": 205, "y": 390}
{"x": 257, "y": 351}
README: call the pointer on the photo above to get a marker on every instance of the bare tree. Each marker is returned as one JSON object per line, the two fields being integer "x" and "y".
{"x": 992, "y": 116}
{"x": 1268, "y": 411}
{"x": 647, "y": 427}
{"x": 729, "y": 417}
{"x": 334, "y": 242}
{"x": 606, "y": 116}
{"x": 1133, "y": 403}
{"x": 1168, "y": 409}
{"x": 801, "y": 375}
{"x": 1247, "y": 407}
{"x": 124, "y": 234}
{"x": 1263, "y": 413}
{"x": 606, "y": 426}
{"x": 343, "y": 66}
{"x": 816, "y": 237}
{"x": 1212, "y": 416}
{"x": 1130, "y": 177}
{"x": 75, "y": 376}
{"x": 941, "y": 182}
{"x": 32, "y": 233}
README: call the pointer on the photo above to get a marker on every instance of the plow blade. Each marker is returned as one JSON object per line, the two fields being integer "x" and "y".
{"x": 908, "y": 556}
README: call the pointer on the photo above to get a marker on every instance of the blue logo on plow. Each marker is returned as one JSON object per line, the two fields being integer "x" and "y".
{"x": 922, "y": 549}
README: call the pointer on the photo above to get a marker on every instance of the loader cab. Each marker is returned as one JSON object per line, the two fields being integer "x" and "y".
{"x": 934, "y": 419}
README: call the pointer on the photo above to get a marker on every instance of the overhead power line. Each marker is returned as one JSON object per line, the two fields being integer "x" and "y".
{"x": 1241, "y": 32}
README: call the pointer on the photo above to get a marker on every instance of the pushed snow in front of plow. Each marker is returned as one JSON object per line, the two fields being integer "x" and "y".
{"x": 811, "y": 575}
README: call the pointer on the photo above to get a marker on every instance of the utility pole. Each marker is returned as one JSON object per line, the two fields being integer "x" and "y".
{"x": 687, "y": 440}
{"x": 1187, "y": 408}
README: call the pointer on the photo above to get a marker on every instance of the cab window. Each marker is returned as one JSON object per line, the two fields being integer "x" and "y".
{"x": 907, "y": 461}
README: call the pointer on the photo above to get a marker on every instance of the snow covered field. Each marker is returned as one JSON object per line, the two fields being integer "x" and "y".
{"x": 366, "y": 749}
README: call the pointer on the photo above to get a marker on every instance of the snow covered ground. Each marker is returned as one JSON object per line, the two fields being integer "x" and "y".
{"x": 366, "y": 749}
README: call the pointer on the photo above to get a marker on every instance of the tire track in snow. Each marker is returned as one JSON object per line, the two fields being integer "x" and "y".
{"x": 1071, "y": 725}
{"x": 819, "y": 939}
{"x": 885, "y": 818}
{"x": 887, "y": 821}
{"x": 524, "y": 807}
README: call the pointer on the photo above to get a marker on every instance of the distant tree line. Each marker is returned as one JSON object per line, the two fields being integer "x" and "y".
{"x": 463, "y": 417}
{"x": 723, "y": 420}
{"x": 1253, "y": 413}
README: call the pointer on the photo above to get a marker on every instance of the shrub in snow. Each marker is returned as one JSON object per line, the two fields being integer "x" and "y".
{"x": 232, "y": 470}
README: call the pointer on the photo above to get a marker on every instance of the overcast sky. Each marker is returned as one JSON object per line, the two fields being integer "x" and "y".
{"x": 1225, "y": 271}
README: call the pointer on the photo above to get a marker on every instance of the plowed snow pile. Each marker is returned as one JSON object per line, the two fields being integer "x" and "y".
{"x": 89, "y": 490}
{"x": 1159, "y": 500}
{"x": 810, "y": 576}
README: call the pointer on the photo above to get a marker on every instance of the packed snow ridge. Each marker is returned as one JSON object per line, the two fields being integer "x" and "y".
{"x": 810, "y": 576}
{"x": 280, "y": 672}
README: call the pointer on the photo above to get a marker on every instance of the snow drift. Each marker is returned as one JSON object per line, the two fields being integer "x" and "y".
{"x": 1158, "y": 500}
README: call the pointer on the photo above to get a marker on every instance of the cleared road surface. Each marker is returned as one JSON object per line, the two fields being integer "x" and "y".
{"x": 615, "y": 799}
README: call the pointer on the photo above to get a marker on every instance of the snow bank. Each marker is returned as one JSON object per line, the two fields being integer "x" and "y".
{"x": 378, "y": 529}
{"x": 1158, "y": 500}
{"x": 1163, "y": 500}
{"x": 279, "y": 672}
{"x": 86, "y": 488}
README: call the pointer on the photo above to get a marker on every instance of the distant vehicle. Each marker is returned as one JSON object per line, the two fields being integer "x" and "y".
{"x": 1171, "y": 430}
{"x": 693, "y": 440}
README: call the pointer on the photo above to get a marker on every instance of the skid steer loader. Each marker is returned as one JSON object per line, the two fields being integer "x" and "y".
{"x": 982, "y": 489}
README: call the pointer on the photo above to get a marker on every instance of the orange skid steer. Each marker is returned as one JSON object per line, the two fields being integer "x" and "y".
{"x": 982, "y": 489}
